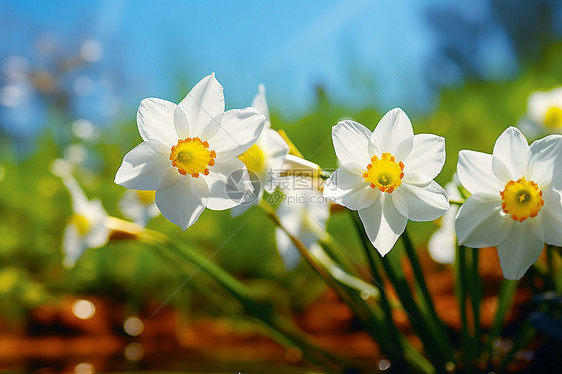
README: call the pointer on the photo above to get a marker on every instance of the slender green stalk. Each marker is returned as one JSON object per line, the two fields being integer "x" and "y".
{"x": 437, "y": 324}
{"x": 550, "y": 263}
{"x": 526, "y": 333}
{"x": 371, "y": 316}
{"x": 438, "y": 353}
{"x": 282, "y": 329}
{"x": 475, "y": 292}
{"x": 505, "y": 300}
{"x": 461, "y": 291}
{"x": 420, "y": 281}
{"x": 404, "y": 347}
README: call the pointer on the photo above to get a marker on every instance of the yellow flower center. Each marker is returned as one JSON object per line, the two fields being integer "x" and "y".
{"x": 146, "y": 197}
{"x": 253, "y": 158}
{"x": 553, "y": 117}
{"x": 192, "y": 156}
{"x": 82, "y": 224}
{"x": 384, "y": 173}
{"x": 521, "y": 199}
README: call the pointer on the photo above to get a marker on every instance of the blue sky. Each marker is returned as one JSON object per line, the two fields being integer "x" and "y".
{"x": 364, "y": 52}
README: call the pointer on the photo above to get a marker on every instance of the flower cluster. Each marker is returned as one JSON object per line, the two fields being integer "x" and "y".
{"x": 196, "y": 155}
{"x": 515, "y": 201}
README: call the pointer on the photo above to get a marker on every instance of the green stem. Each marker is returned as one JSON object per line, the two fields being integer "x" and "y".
{"x": 425, "y": 298}
{"x": 280, "y": 327}
{"x": 436, "y": 353}
{"x": 402, "y": 344}
{"x": 526, "y": 333}
{"x": 371, "y": 316}
{"x": 461, "y": 291}
{"x": 475, "y": 300}
{"x": 505, "y": 300}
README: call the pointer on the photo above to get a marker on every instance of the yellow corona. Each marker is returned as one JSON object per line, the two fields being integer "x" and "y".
{"x": 521, "y": 199}
{"x": 192, "y": 156}
{"x": 384, "y": 173}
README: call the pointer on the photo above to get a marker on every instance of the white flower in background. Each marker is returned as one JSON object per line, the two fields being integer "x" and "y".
{"x": 264, "y": 159}
{"x": 189, "y": 153}
{"x": 387, "y": 175}
{"x": 140, "y": 206}
{"x": 515, "y": 203}
{"x": 88, "y": 226}
{"x": 443, "y": 243}
{"x": 304, "y": 212}
{"x": 544, "y": 113}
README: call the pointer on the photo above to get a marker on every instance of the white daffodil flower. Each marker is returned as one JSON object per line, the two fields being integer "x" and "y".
{"x": 189, "y": 153}
{"x": 387, "y": 175}
{"x": 88, "y": 226}
{"x": 264, "y": 159}
{"x": 140, "y": 206}
{"x": 304, "y": 212}
{"x": 443, "y": 243}
{"x": 516, "y": 202}
{"x": 544, "y": 113}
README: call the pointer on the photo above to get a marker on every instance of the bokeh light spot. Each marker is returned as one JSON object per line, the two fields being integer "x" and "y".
{"x": 384, "y": 365}
{"x": 91, "y": 51}
{"x": 133, "y": 326}
{"x": 84, "y": 368}
{"x": 134, "y": 352}
{"x": 83, "y": 309}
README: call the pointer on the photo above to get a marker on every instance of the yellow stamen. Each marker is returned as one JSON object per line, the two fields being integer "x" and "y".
{"x": 192, "y": 156}
{"x": 82, "y": 224}
{"x": 553, "y": 117}
{"x": 253, "y": 158}
{"x": 384, "y": 173}
{"x": 521, "y": 199}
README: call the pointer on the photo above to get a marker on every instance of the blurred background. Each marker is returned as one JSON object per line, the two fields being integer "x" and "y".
{"x": 72, "y": 75}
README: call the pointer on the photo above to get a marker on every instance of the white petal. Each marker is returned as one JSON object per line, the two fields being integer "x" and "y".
{"x": 347, "y": 188}
{"x": 404, "y": 148}
{"x": 289, "y": 253}
{"x": 513, "y": 150}
{"x": 318, "y": 210}
{"x": 476, "y": 175}
{"x": 238, "y": 210}
{"x": 291, "y": 213}
{"x": 238, "y": 131}
{"x": 551, "y": 217}
{"x": 155, "y": 120}
{"x": 547, "y": 160}
{"x": 142, "y": 168}
{"x": 383, "y": 224}
{"x": 131, "y": 207}
{"x": 80, "y": 202}
{"x": 443, "y": 242}
{"x": 293, "y": 162}
{"x": 416, "y": 179}
{"x": 537, "y": 105}
{"x": 260, "y": 104}
{"x": 229, "y": 184}
{"x": 183, "y": 202}
{"x": 421, "y": 203}
{"x": 97, "y": 236}
{"x": 427, "y": 156}
{"x": 72, "y": 245}
{"x": 519, "y": 251}
{"x": 181, "y": 123}
{"x": 481, "y": 222}
{"x": 351, "y": 141}
{"x": 276, "y": 150}
{"x": 204, "y": 102}
{"x": 391, "y": 130}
